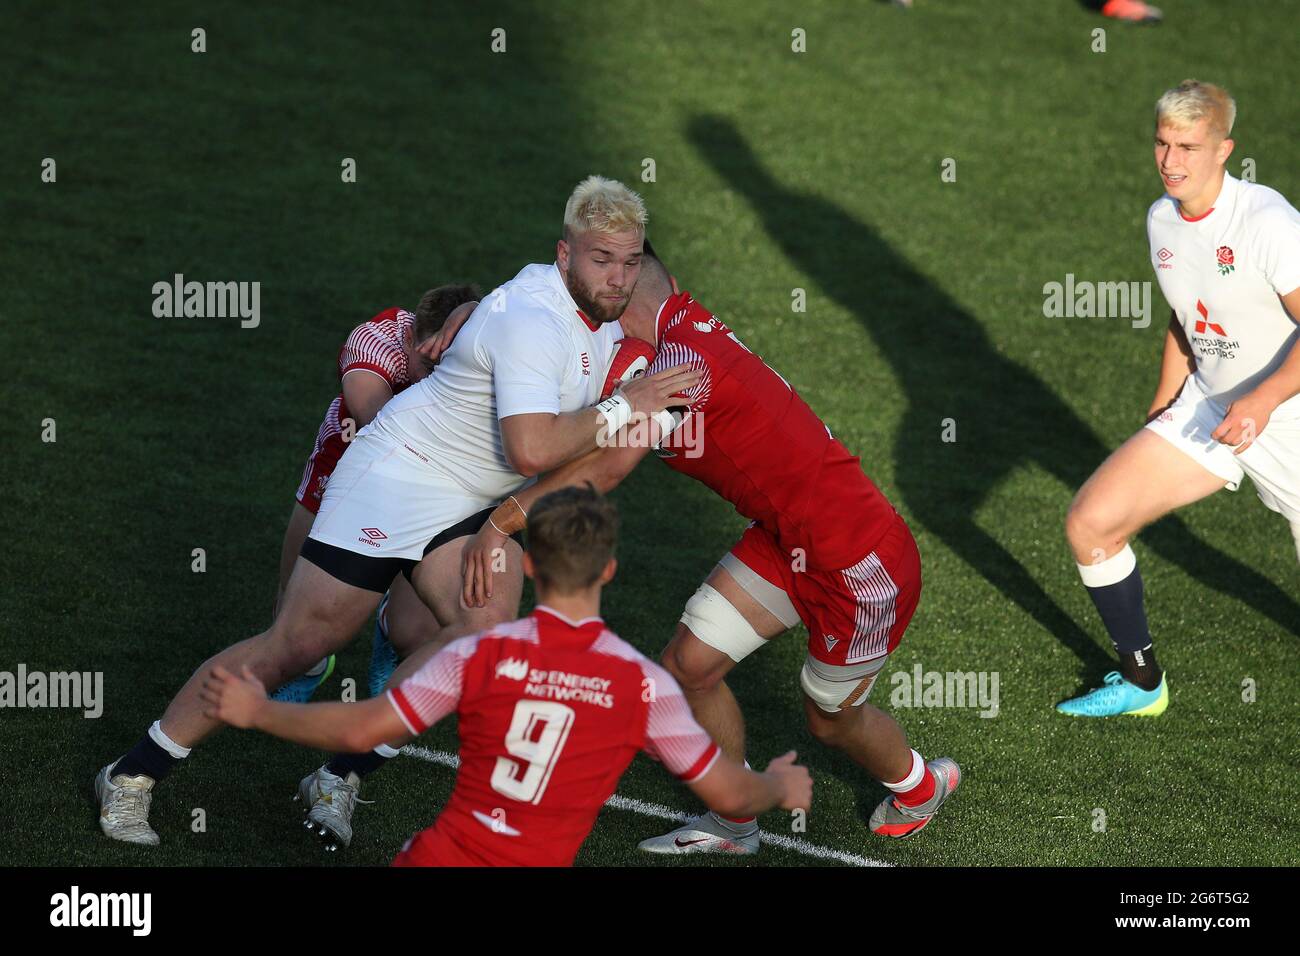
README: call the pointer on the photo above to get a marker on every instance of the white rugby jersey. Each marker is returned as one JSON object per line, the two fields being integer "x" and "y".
{"x": 1222, "y": 273}
{"x": 527, "y": 348}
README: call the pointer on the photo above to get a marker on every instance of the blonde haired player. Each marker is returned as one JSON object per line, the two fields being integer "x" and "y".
{"x": 517, "y": 393}
{"x": 1227, "y": 256}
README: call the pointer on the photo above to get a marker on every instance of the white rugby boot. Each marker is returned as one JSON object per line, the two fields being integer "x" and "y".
{"x": 124, "y": 807}
{"x": 329, "y": 802}
{"x": 706, "y": 834}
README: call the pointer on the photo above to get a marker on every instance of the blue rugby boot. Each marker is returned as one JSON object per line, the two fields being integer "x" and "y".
{"x": 1119, "y": 696}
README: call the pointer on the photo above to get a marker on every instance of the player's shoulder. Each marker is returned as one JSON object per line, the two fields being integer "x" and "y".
{"x": 611, "y": 645}
{"x": 1264, "y": 204}
{"x": 385, "y": 327}
{"x": 530, "y": 303}
{"x": 1164, "y": 211}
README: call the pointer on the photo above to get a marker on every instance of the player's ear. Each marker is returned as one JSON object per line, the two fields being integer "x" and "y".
{"x": 562, "y": 254}
{"x": 673, "y": 280}
{"x": 607, "y": 574}
{"x": 1225, "y": 150}
{"x": 528, "y": 564}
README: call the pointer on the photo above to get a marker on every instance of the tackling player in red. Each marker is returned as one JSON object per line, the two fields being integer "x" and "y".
{"x": 552, "y": 708}
{"x": 825, "y": 547}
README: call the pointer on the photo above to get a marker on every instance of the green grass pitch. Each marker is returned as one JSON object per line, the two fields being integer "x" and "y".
{"x": 774, "y": 171}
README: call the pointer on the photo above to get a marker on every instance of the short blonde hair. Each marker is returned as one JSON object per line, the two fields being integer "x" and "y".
{"x": 1192, "y": 101}
{"x": 603, "y": 205}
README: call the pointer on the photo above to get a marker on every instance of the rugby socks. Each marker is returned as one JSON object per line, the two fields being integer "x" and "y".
{"x": 917, "y": 787}
{"x": 154, "y": 756}
{"x": 1115, "y": 586}
{"x": 361, "y": 764}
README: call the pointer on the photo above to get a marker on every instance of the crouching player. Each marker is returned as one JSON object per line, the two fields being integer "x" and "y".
{"x": 552, "y": 708}
{"x": 379, "y": 359}
{"x": 825, "y": 548}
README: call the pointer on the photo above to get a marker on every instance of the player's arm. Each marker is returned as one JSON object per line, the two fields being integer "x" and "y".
{"x": 351, "y": 728}
{"x": 604, "y": 468}
{"x": 1176, "y": 364}
{"x": 365, "y": 393}
{"x": 733, "y": 790}
{"x": 1249, "y": 415}
{"x": 538, "y": 442}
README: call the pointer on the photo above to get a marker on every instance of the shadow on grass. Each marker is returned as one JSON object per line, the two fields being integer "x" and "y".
{"x": 949, "y": 369}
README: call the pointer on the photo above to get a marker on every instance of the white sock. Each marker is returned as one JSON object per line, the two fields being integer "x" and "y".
{"x": 386, "y": 751}
{"x": 166, "y": 743}
{"x": 1295, "y": 533}
{"x": 913, "y": 776}
{"x": 1110, "y": 571}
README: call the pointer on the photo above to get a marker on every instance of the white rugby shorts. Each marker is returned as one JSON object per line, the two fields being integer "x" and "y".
{"x": 1272, "y": 462}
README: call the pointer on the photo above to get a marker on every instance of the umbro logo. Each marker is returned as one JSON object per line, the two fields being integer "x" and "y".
{"x": 703, "y": 326}
{"x": 513, "y": 668}
{"x": 1164, "y": 255}
{"x": 586, "y": 364}
{"x": 374, "y": 534}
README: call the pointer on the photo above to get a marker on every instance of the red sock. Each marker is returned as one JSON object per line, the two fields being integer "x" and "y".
{"x": 922, "y": 792}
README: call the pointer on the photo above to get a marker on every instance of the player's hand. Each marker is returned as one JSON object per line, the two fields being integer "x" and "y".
{"x": 1246, "y": 418}
{"x": 433, "y": 347}
{"x": 792, "y": 780}
{"x": 653, "y": 393}
{"x": 233, "y": 700}
{"x": 485, "y": 551}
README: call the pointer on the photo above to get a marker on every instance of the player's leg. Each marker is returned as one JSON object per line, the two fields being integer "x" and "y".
{"x": 331, "y": 792}
{"x": 319, "y": 614}
{"x": 1160, "y": 469}
{"x": 735, "y": 611}
{"x": 403, "y": 624}
{"x": 856, "y": 618}
{"x": 300, "y": 688}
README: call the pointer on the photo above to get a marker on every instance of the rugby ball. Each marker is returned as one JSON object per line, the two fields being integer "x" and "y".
{"x": 632, "y": 358}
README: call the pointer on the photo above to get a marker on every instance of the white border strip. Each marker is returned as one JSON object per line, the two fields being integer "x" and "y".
{"x": 618, "y": 802}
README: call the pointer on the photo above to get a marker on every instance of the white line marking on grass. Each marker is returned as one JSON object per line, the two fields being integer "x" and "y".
{"x": 646, "y": 809}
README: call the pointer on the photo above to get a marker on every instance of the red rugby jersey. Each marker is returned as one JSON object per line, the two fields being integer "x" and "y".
{"x": 551, "y": 713}
{"x": 751, "y": 439}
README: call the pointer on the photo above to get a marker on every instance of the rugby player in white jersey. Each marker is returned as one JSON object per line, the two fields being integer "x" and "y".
{"x": 516, "y": 394}
{"x": 1227, "y": 256}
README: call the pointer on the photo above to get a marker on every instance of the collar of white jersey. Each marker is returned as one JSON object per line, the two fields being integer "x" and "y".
{"x": 1225, "y": 200}
{"x": 557, "y": 280}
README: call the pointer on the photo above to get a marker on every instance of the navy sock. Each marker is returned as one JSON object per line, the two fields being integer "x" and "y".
{"x": 1123, "y": 612}
{"x": 147, "y": 758}
{"x": 1140, "y": 668}
{"x": 361, "y": 764}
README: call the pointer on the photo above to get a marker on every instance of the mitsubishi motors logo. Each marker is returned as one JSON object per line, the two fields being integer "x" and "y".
{"x": 1204, "y": 321}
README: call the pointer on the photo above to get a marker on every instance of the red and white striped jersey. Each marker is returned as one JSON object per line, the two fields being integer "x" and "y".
{"x": 551, "y": 713}
{"x": 378, "y": 346}
{"x": 752, "y": 440}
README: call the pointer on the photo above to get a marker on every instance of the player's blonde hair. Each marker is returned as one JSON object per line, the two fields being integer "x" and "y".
{"x": 603, "y": 205}
{"x": 1191, "y": 101}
